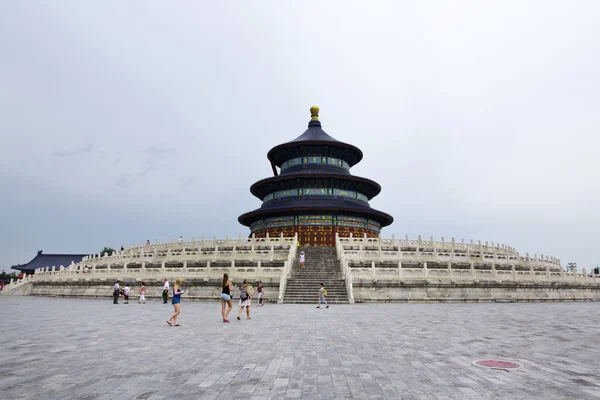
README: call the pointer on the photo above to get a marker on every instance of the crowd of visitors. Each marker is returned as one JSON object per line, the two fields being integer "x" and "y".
{"x": 247, "y": 291}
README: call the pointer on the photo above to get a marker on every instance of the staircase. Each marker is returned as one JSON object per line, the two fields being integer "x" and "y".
{"x": 321, "y": 266}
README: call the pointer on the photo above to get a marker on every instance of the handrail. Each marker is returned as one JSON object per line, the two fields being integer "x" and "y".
{"x": 287, "y": 270}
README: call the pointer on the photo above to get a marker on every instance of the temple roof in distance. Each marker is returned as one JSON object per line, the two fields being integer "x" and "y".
{"x": 315, "y": 137}
{"x": 49, "y": 260}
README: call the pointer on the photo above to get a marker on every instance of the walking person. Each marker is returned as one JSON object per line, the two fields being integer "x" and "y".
{"x": 177, "y": 292}
{"x": 322, "y": 294}
{"x": 244, "y": 300}
{"x": 260, "y": 291}
{"x": 126, "y": 291}
{"x": 301, "y": 259}
{"x": 227, "y": 288}
{"x": 165, "y": 294}
{"x": 116, "y": 291}
{"x": 143, "y": 294}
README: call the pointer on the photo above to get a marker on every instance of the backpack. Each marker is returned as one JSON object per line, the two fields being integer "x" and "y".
{"x": 244, "y": 293}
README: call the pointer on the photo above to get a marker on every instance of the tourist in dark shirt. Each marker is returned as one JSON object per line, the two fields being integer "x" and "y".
{"x": 226, "y": 290}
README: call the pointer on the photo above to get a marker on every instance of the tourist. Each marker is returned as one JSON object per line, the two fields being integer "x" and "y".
{"x": 322, "y": 294}
{"x": 148, "y": 242}
{"x": 180, "y": 239}
{"x": 142, "y": 294}
{"x": 116, "y": 291}
{"x": 260, "y": 291}
{"x": 301, "y": 259}
{"x": 177, "y": 292}
{"x": 244, "y": 300}
{"x": 227, "y": 288}
{"x": 165, "y": 294}
{"x": 122, "y": 248}
{"x": 126, "y": 291}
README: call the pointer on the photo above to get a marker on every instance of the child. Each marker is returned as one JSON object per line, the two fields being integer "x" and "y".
{"x": 126, "y": 291}
{"x": 301, "y": 259}
{"x": 260, "y": 291}
{"x": 143, "y": 294}
{"x": 322, "y": 293}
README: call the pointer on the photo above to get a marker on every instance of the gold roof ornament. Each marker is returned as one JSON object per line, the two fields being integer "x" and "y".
{"x": 314, "y": 112}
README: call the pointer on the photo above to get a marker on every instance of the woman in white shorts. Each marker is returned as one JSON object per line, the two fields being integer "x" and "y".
{"x": 301, "y": 259}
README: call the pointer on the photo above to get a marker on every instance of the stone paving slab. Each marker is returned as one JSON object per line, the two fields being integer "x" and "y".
{"x": 91, "y": 349}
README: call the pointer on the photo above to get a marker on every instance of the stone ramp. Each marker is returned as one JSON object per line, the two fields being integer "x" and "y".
{"x": 321, "y": 266}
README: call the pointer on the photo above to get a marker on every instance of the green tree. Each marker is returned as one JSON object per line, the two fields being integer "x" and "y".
{"x": 108, "y": 250}
{"x": 4, "y": 275}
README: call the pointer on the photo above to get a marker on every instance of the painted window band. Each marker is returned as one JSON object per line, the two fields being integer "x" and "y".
{"x": 316, "y": 220}
{"x": 335, "y": 162}
{"x": 315, "y": 192}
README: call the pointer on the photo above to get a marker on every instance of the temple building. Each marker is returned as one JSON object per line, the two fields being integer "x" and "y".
{"x": 42, "y": 260}
{"x": 312, "y": 192}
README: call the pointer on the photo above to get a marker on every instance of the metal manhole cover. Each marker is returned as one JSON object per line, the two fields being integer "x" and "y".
{"x": 498, "y": 364}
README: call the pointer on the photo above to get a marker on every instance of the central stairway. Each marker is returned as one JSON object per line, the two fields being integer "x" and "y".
{"x": 322, "y": 266}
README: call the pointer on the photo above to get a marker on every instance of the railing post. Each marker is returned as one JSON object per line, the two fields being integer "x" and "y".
{"x": 425, "y": 270}
{"x": 400, "y": 272}
{"x": 373, "y": 269}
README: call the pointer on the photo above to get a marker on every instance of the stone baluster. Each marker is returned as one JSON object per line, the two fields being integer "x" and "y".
{"x": 373, "y": 270}
{"x": 531, "y": 272}
{"x": 472, "y": 270}
{"x": 272, "y": 251}
{"x": 547, "y": 272}
{"x": 400, "y": 271}
{"x": 494, "y": 273}
{"x": 259, "y": 271}
{"x": 425, "y": 270}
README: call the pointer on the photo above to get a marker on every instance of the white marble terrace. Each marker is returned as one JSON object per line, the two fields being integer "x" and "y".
{"x": 271, "y": 258}
{"x": 373, "y": 259}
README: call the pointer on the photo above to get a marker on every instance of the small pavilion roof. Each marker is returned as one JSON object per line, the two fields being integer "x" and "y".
{"x": 49, "y": 260}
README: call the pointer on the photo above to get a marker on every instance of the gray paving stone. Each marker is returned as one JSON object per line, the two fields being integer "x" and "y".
{"x": 92, "y": 349}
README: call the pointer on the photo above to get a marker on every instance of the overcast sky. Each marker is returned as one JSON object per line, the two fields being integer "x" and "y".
{"x": 136, "y": 120}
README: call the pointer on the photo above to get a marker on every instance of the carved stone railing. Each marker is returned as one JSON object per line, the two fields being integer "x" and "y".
{"x": 403, "y": 259}
{"x": 253, "y": 259}
{"x": 287, "y": 271}
{"x": 346, "y": 271}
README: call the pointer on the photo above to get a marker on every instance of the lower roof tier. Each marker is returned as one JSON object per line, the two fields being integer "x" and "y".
{"x": 344, "y": 182}
{"x": 292, "y": 207}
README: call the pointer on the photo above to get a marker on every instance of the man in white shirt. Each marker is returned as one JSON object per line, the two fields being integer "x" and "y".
{"x": 180, "y": 239}
{"x": 165, "y": 294}
{"x": 116, "y": 289}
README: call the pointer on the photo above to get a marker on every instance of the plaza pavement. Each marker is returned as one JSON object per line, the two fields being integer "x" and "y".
{"x": 91, "y": 349}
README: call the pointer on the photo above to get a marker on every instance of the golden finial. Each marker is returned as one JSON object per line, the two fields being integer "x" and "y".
{"x": 314, "y": 112}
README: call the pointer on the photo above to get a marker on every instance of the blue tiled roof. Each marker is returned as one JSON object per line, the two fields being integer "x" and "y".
{"x": 49, "y": 260}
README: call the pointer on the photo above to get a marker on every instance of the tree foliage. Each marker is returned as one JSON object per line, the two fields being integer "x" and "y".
{"x": 108, "y": 250}
{"x": 6, "y": 276}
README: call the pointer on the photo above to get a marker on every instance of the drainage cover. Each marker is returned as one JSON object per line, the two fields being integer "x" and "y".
{"x": 499, "y": 364}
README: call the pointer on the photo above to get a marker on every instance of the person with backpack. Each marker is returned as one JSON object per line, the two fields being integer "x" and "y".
{"x": 244, "y": 300}
{"x": 126, "y": 291}
{"x": 322, "y": 294}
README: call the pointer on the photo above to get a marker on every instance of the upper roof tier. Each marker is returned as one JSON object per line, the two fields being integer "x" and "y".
{"x": 314, "y": 141}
